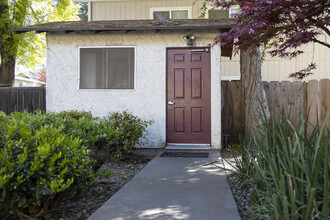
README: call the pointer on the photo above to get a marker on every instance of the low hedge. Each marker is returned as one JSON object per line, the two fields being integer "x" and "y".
{"x": 43, "y": 155}
{"x": 38, "y": 161}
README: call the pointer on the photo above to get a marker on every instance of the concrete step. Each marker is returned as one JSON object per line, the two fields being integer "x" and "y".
{"x": 188, "y": 147}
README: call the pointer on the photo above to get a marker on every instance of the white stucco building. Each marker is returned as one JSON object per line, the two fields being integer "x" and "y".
{"x": 149, "y": 68}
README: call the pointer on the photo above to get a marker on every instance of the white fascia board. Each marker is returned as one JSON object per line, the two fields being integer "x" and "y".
{"x": 230, "y": 78}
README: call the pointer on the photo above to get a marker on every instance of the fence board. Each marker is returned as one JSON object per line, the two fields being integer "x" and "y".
{"x": 296, "y": 98}
{"x": 274, "y": 98}
{"x": 324, "y": 100}
{"x": 298, "y": 102}
{"x": 233, "y": 111}
{"x": 22, "y": 98}
{"x": 312, "y": 103}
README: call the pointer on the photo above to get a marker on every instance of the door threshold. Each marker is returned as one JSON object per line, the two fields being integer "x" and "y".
{"x": 199, "y": 147}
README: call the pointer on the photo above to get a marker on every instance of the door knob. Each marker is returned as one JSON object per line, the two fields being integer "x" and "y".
{"x": 170, "y": 103}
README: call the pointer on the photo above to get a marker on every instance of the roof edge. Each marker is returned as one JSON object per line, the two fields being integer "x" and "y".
{"x": 129, "y": 25}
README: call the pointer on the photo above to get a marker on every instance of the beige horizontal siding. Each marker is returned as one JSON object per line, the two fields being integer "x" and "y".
{"x": 129, "y": 10}
{"x": 277, "y": 69}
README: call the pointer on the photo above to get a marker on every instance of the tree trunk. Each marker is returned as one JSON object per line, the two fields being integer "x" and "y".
{"x": 8, "y": 47}
{"x": 253, "y": 90}
{"x": 7, "y": 70}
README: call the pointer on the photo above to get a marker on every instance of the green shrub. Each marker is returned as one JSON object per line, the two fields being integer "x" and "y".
{"x": 43, "y": 155}
{"x": 38, "y": 161}
{"x": 128, "y": 130}
{"x": 289, "y": 169}
{"x": 75, "y": 114}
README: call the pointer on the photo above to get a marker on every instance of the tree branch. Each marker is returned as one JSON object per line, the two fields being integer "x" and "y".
{"x": 292, "y": 22}
{"x": 326, "y": 30}
{"x": 322, "y": 43}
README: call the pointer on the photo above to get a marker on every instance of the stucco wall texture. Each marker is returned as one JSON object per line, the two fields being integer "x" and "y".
{"x": 148, "y": 99}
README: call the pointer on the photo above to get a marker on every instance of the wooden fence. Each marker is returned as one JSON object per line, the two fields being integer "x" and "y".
{"x": 296, "y": 98}
{"x": 22, "y": 98}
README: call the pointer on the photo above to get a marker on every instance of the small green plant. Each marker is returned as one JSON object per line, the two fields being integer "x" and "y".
{"x": 105, "y": 173}
{"x": 243, "y": 162}
{"x": 128, "y": 130}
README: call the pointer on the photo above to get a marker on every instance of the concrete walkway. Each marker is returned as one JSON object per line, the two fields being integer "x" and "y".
{"x": 173, "y": 188}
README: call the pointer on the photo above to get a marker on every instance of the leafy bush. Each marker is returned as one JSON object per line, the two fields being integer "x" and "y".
{"x": 42, "y": 155}
{"x": 109, "y": 137}
{"x": 128, "y": 131}
{"x": 289, "y": 169}
{"x": 38, "y": 162}
{"x": 75, "y": 114}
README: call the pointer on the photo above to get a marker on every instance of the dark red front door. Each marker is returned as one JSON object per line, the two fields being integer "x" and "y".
{"x": 188, "y": 96}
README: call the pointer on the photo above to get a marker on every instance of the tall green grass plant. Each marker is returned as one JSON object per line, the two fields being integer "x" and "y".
{"x": 289, "y": 170}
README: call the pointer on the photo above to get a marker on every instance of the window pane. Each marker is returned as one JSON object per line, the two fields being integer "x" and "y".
{"x": 180, "y": 14}
{"x": 161, "y": 15}
{"x": 83, "y": 11}
{"x": 216, "y": 14}
{"x": 107, "y": 68}
{"x": 234, "y": 12}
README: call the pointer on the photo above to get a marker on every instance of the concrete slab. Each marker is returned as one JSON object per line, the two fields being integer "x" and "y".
{"x": 173, "y": 188}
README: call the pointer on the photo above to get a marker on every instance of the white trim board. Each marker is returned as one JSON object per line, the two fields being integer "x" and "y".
{"x": 230, "y": 78}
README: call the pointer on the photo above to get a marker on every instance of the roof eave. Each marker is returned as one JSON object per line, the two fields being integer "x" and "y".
{"x": 141, "y": 25}
{"x": 24, "y": 30}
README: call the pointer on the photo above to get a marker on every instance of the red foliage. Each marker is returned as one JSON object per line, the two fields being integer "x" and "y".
{"x": 41, "y": 75}
{"x": 280, "y": 25}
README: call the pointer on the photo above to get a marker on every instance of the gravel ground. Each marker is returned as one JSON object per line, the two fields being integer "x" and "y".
{"x": 81, "y": 205}
{"x": 241, "y": 194}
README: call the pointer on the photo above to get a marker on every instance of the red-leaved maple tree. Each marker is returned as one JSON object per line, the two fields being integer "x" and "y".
{"x": 281, "y": 26}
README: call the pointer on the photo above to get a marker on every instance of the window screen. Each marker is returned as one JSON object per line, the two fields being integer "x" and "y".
{"x": 180, "y": 14}
{"x": 234, "y": 11}
{"x": 106, "y": 68}
{"x": 161, "y": 15}
{"x": 215, "y": 14}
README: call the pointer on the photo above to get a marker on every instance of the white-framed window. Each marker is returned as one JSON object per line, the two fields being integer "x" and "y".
{"x": 163, "y": 13}
{"x": 85, "y": 12}
{"x": 215, "y": 13}
{"x": 106, "y": 67}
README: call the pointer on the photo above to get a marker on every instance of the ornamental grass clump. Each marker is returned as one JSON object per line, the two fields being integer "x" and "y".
{"x": 289, "y": 170}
